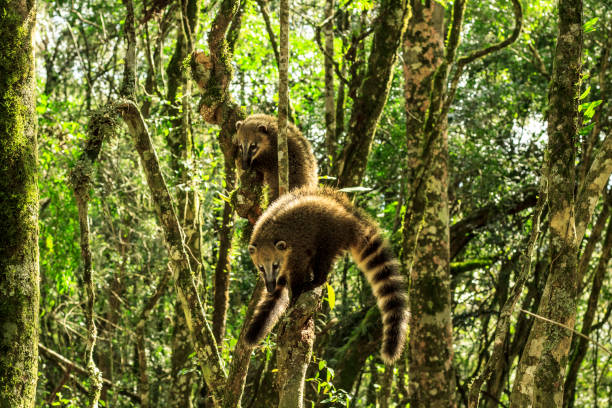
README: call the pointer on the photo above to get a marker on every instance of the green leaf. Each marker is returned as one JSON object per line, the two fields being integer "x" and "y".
{"x": 590, "y": 110}
{"x": 589, "y": 26}
{"x": 225, "y": 198}
{"x": 322, "y": 362}
{"x": 331, "y": 296}
{"x": 585, "y": 93}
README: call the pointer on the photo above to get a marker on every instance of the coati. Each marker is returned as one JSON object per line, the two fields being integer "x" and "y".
{"x": 294, "y": 245}
{"x": 256, "y": 141}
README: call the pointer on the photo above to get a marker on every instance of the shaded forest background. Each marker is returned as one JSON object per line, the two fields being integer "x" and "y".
{"x": 435, "y": 117}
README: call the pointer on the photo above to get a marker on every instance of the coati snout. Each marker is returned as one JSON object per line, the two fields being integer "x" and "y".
{"x": 250, "y": 141}
{"x": 268, "y": 259}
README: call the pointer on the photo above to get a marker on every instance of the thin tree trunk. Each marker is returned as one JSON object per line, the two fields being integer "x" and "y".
{"x": 19, "y": 207}
{"x": 426, "y": 240}
{"x": 330, "y": 109}
{"x": 541, "y": 370}
{"x": 592, "y": 241}
{"x": 283, "y": 99}
{"x": 423, "y": 50}
{"x": 80, "y": 179}
{"x": 223, "y": 268}
{"x": 431, "y": 344}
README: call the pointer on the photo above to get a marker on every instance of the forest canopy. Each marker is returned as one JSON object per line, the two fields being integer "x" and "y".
{"x": 472, "y": 141}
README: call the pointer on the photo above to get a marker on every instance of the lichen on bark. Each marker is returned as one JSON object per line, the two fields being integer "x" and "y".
{"x": 539, "y": 378}
{"x": 19, "y": 293}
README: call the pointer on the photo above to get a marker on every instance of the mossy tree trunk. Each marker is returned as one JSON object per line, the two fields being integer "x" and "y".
{"x": 541, "y": 370}
{"x": 426, "y": 238}
{"x": 431, "y": 381}
{"x": 19, "y": 293}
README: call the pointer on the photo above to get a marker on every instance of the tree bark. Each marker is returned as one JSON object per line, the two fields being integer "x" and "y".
{"x": 296, "y": 337}
{"x": 19, "y": 206}
{"x": 283, "y": 99}
{"x": 541, "y": 370}
{"x": 426, "y": 241}
{"x": 431, "y": 381}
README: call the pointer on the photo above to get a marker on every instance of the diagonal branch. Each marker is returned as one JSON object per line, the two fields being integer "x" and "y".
{"x": 462, "y": 231}
{"x": 204, "y": 340}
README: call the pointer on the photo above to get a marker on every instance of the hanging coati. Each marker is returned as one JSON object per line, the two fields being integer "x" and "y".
{"x": 294, "y": 245}
{"x": 256, "y": 142}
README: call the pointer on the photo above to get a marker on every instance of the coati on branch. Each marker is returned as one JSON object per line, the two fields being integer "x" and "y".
{"x": 256, "y": 140}
{"x": 294, "y": 245}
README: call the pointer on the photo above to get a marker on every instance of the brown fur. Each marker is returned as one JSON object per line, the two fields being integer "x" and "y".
{"x": 260, "y": 132}
{"x": 295, "y": 243}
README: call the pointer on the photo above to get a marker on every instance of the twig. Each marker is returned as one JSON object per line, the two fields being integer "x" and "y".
{"x": 598, "y": 344}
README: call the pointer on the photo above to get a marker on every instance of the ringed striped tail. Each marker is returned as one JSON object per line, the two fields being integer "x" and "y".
{"x": 269, "y": 310}
{"x": 376, "y": 259}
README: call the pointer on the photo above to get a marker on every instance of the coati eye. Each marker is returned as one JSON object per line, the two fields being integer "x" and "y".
{"x": 253, "y": 147}
{"x": 261, "y": 268}
{"x": 275, "y": 265}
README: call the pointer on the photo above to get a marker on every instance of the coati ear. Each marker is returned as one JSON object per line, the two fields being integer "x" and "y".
{"x": 252, "y": 249}
{"x": 280, "y": 245}
{"x": 238, "y": 124}
{"x": 262, "y": 128}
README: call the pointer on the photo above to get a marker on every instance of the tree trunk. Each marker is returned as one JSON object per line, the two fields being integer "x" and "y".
{"x": 223, "y": 267}
{"x": 19, "y": 206}
{"x": 283, "y": 99}
{"x": 431, "y": 380}
{"x": 541, "y": 370}
{"x": 431, "y": 344}
{"x": 330, "y": 109}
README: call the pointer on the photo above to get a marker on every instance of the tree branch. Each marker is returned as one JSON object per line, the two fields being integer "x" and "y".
{"x": 462, "y": 231}
{"x": 464, "y": 61}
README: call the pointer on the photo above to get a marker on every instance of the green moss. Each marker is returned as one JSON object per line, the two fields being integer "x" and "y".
{"x": 18, "y": 212}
